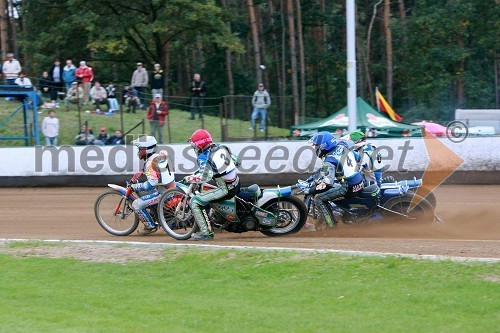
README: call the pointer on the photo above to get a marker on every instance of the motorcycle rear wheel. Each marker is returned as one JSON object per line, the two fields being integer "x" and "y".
{"x": 291, "y": 213}
{"x": 114, "y": 214}
{"x": 179, "y": 225}
{"x": 420, "y": 212}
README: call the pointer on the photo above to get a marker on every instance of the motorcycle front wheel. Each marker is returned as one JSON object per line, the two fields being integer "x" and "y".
{"x": 174, "y": 214}
{"x": 291, "y": 214}
{"x": 114, "y": 214}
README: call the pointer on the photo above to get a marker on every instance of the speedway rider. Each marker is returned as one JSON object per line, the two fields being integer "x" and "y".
{"x": 148, "y": 190}
{"x": 370, "y": 159}
{"x": 214, "y": 162}
{"x": 338, "y": 177}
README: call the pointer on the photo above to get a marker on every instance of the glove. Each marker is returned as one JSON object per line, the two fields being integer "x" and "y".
{"x": 195, "y": 178}
{"x": 136, "y": 176}
{"x": 129, "y": 191}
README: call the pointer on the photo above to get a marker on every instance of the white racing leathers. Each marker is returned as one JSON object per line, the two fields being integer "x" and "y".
{"x": 147, "y": 191}
{"x": 214, "y": 162}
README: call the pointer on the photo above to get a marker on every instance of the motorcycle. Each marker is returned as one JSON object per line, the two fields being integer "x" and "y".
{"x": 273, "y": 212}
{"x": 390, "y": 201}
{"x": 113, "y": 209}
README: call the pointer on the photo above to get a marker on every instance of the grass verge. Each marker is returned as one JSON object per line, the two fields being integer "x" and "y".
{"x": 243, "y": 291}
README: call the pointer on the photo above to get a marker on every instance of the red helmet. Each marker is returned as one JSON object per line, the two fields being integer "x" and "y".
{"x": 200, "y": 139}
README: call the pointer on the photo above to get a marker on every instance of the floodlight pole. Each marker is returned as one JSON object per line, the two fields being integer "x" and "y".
{"x": 351, "y": 65}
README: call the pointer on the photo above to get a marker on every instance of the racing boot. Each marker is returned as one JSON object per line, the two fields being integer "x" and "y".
{"x": 206, "y": 233}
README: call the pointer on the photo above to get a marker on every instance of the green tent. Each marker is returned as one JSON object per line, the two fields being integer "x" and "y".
{"x": 369, "y": 120}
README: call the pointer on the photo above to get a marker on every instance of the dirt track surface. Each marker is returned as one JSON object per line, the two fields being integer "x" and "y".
{"x": 471, "y": 228}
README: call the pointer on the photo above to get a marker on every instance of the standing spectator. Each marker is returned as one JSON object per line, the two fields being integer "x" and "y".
{"x": 44, "y": 85}
{"x": 99, "y": 95}
{"x": 74, "y": 95}
{"x": 102, "y": 138}
{"x": 85, "y": 75}
{"x": 11, "y": 69}
{"x": 50, "y": 128}
{"x": 157, "y": 81}
{"x": 260, "y": 102}
{"x": 140, "y": 82}
{"x": 69, "y": 74}
{"x": 198, "y": 93}
{"x": 84, "y": 137}
{"x": 23, "y": 81}
{"x": 112, "y": 101}
{"x": 56, "y": 76}
{"x": 157, "y": 111}
{"x": 116, "y": 139}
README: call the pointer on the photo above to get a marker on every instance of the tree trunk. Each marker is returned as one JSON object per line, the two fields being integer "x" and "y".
{"x": 255, "y": 40}
{"x": 368, "y": 50}
{"x": 166, "y": 69}
{"x": 293, "y": 62}
{"x": 229, "y": 71}
{"x": 13, "y": 28}
{"x": 497, "y": 79}
{"x": 302, "y": 61}
{"x": 283, "y": 61}
{"x": 3, "y": 28}
{"x": 388, "y": 49}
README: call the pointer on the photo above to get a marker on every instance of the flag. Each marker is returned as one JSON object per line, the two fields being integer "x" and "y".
{"x": 384, "y": 106}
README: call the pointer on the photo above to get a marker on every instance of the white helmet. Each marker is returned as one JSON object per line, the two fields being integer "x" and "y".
{"x": 146, "y": 145}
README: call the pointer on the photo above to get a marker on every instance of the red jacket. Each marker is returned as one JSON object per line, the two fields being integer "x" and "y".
{"x": 163, "y": 108}
{"x": 86, "y": 73}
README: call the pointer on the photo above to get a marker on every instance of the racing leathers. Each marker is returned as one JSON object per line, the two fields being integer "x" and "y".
{"x": 372, "y": 166}
{"x": 214, "y": 162}
{"x": 338, "y": 177}
{"x": 148, "y": 190}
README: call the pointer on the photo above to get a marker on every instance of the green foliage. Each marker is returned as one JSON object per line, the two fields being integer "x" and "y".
{"x": 442, "y": 45}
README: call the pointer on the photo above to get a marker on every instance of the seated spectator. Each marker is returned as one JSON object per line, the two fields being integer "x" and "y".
{"x": 131, "y": 98}
{"x": 99, "y": 95}
{"x": 23, "y": 81}
{"x": 85, "y": 137}
{"x": 102, "y": 138}
{"x": 44, "y": 85}
{"x": 116, "y": 139}
{"x": 74, "y": 95}
{"x": 112, "y": 101}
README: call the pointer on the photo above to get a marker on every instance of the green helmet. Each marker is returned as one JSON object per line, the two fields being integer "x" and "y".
{"x": 357, "y": 136}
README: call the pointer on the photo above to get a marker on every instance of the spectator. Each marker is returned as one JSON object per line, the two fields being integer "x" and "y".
{"x": 23, "y": 81}
{"x": 198, "y": 93}
{"x": 85, "y": 75}
{"x": 112, "y": 101}
{"x": 11, "y": 69}
{"x": 84, "y": 137}
{"x": 102, "y": 138}
{"x": 99, "y": 95}
{"x": 50, "y": 128}
{"x": 44, "y": 85}
{"x": 69, "y": 74}
{"x": 140, "y": 82}
{"x": 260, "y": 102}
{"x": 116, "y": 139}
{"x": 55, "y": 74}
{"x": 130, "y": 98}
{"x": 157, "y": 111}
{"x": 157, "y": 81}
{"x": 74, "y": 95}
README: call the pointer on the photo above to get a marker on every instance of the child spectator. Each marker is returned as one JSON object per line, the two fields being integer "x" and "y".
{"x": 112, "y": 101}
{"x": 50, "y": 128}
{"x": 131, "y": 98}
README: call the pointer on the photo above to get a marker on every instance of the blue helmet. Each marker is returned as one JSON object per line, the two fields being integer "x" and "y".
{"x": 323, "y": 142}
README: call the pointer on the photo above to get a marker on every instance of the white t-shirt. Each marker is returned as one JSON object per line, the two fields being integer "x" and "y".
{"x": 50, "y": 127}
